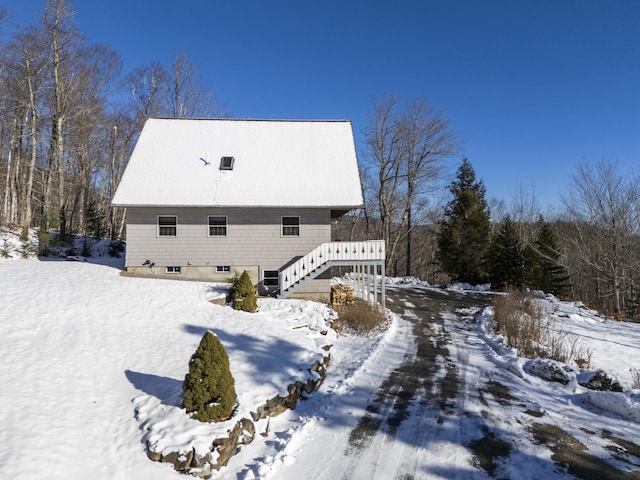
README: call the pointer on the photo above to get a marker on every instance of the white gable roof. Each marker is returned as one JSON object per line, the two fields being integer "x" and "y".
{"x": 277, "y": 164}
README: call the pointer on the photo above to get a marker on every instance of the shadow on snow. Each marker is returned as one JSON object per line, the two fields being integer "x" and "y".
{"x": 263, "y": 359}
{"x": 167, "y": 390}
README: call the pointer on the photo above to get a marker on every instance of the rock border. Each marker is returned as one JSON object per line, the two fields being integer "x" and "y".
{"x": 243, "y": 432}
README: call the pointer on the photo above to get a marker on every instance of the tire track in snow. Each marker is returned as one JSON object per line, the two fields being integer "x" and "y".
{"x": 414, "y": 420}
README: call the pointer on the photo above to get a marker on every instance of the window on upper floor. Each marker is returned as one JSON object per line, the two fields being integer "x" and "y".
{"x": 217, "y": 226}
{"x": 167, "y": 225}
{"x": 290, "y": 226}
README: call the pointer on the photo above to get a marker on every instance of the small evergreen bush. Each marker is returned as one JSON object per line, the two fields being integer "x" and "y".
{"x": 28, "y": 250}
{"x": 209, "y": 388}
{"x": 243, "y": 294}
{"x": 44, "y": 242}
{"x": 116, "y": 247}
{"x": 5, "y": 250}
{"x": 86, "y": 248}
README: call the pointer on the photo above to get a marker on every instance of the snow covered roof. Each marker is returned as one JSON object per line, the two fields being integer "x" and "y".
{"x": 177, "y": 162}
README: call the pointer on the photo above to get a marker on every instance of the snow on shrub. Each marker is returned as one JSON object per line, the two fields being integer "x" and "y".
{"x": 599, "y": 380}
{"x": 551, "y": 370}
{"x": 243, "y": 294}
{"x": 209, "y": 388}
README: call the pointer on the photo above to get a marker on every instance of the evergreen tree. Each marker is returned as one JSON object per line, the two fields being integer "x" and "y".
{"x": 546, "y": 273}
{"x": 243, "y": 294}
{"x": 209, "y": 387}
{"x": 464, "y": 234}
{"x": 508, "y": 261}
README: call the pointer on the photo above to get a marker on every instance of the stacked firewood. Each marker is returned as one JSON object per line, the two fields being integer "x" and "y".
{"x": 341, "y": 295}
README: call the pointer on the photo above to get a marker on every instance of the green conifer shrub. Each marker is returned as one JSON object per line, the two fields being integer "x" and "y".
{"x": 507, "y": 259}
{"x": 243, "y": 294}
{"x": 116, "y": 248}
{"x": 464, "y": 234}
{"x": 209, "y": 388}
{"x": 44, "y": 239}
{"x": 5, "y": 250}
{"x": 548, "y": 274}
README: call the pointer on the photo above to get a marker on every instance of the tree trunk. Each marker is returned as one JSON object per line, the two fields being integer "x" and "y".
{"x": 408, "y": 272}
{"x": 34, "y": 154}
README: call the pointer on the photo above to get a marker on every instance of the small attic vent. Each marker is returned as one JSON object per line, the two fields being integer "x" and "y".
{"x": 226, "y": 163}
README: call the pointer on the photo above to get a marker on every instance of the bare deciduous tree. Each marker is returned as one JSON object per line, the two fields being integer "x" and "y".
{"x": 407, "y": 148}
{"x": 64, "y": 137}
{"x": 428, "y": 142}
{"x": 383, "y": 161}
{"x": 96, "y": 70}
{"x": 24, "y": 62}
{"x": 63, "y": 39}
{"x": 525, "y": 212}
{"x": 603, "y": 209}
{"x": 146, "y": 85}
{"x": 187, "y": 94}
{"x": 176, "y": 92}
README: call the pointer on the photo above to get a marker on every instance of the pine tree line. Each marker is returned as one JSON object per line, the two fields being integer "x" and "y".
{"x": 469, "y": 252}
{"x": 590, "y": 251}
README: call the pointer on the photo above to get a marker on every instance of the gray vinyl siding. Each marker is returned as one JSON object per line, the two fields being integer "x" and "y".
{"x": 253, "y": 237}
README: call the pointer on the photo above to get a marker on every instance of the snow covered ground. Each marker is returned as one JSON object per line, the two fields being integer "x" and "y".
{"x": 83, "y": 348}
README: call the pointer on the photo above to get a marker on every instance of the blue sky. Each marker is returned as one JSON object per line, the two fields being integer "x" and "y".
{"x": 531, "y": 87}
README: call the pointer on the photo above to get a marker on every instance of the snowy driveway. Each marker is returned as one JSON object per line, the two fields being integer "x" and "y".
{"x": 414, "y": 425}
{"x": 455, "y": 410}
{"x": 438, "y": 402}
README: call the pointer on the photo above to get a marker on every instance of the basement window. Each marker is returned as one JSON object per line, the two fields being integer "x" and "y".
{"x": 290, "y": 226}
{"x": 226, "y": 163}
{"x": 270, "y": 278}
{"x": 223, "y": 269}
{"x": 173, "y": 269}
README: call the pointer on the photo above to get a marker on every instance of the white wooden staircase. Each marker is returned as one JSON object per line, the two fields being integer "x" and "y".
{"x": 364, "y": 256}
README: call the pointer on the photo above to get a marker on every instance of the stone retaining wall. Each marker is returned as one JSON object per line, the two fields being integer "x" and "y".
{"x": 243, "y": 432}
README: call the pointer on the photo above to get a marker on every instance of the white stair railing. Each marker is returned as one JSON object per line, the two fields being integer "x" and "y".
{"x": 330, "y": 252}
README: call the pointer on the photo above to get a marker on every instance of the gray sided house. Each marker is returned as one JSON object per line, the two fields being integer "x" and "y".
{"x": 207, "y": 199}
